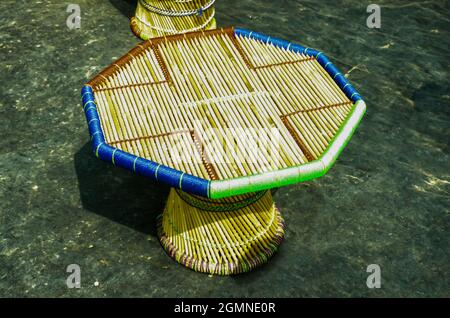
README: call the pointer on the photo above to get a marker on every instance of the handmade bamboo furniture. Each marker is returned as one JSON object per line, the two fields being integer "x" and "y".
{"x": 222, "y": 116}
{"x": 155, "y": 18}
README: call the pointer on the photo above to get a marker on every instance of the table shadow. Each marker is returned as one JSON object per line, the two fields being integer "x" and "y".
{"x": 126, "y": 7}
{"x": 117, "y": 194}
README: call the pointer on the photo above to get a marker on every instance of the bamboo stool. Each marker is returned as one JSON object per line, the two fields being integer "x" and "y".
{"x": 221, "y": 116}
{"x": 156, "y": 18}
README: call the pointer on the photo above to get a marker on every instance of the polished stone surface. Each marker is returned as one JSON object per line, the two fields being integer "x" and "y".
{"x": 386, "y": 201}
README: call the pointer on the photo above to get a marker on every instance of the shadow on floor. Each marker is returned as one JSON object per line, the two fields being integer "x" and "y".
{"x": 126, "y": 7}
{"x": 117, "y": 194}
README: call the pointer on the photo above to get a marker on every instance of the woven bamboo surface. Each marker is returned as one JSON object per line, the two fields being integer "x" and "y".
{"x": 149, "y": 23}
{"x": 168, "y": 93}
{"x": 221, "y": 243}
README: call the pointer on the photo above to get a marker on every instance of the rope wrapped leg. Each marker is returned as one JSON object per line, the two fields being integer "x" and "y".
{"x": 150, "y": 21}
{"x": 221, "y": 237}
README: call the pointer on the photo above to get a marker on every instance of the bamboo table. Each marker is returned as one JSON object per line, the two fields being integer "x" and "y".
{"x": 222, "y": 116}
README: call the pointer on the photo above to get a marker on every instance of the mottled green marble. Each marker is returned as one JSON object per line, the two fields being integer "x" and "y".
{"x": 386, "y": 201}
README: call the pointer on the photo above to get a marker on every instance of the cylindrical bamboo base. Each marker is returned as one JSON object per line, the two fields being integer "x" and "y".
{"x": 148, "y": 24}
{"x": 145, "y": 33}
{"x": 220, "y": 237}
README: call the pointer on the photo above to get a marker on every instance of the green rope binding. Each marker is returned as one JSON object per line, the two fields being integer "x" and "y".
{"x": 215, "y": 206}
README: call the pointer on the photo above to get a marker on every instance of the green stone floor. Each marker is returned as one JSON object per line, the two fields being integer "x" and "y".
{"x": 386, "y": 201}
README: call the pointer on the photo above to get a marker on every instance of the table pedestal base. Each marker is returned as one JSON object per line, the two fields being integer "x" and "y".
{"x": 221, "y": 237}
